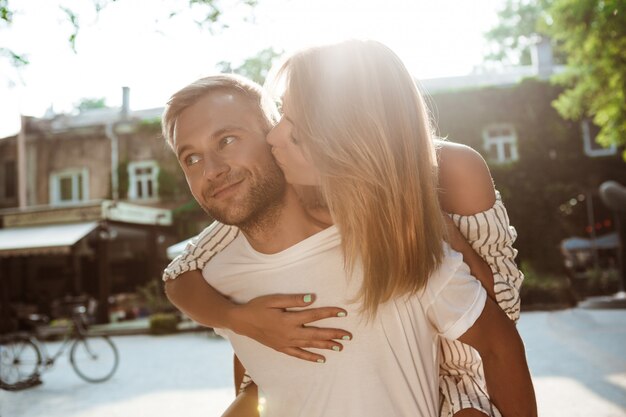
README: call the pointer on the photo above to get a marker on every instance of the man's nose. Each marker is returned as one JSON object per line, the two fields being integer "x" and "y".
{"x": 214, "y": 167}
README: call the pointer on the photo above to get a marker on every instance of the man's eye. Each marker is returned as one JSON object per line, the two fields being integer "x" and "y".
{"x": 227, "y": 140}
{"x": 192, "y": 159}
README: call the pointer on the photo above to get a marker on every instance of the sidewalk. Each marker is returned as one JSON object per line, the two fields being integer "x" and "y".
{"x": 139, "y": 326}
{"x": 576, "y": 357}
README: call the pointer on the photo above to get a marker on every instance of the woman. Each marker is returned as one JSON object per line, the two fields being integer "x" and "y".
{"x": 357, "y": 170}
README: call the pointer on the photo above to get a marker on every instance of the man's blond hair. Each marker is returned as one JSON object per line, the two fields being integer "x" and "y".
{"x": 198, "y": 89}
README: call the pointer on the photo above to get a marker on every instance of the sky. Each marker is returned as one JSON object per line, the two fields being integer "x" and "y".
{"x": 136, "y": 43}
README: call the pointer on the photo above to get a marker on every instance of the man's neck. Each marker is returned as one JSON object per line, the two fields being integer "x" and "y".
{"x": 285, "y": 227}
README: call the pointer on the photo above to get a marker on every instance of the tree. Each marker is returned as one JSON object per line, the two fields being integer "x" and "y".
{"x": 210, "y": 10}
{"x": 520, "y": 22}
{"x": 254, "y": 68}
{"x": 90, "y": 103}
{"x": 590, "y": 37}
{"x": 6, "y": 18}
{"x": 593, "y": 35}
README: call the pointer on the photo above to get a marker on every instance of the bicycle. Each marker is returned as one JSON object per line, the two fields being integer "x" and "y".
{"x": 23, "y": 355}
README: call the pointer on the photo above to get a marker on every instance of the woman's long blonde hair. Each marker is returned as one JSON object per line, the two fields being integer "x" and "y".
{"x": 362, "y": 121}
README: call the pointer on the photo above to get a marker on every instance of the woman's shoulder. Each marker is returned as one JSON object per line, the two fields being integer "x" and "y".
{"x": 456, "y": 159}
{"x": 465, "y": 182}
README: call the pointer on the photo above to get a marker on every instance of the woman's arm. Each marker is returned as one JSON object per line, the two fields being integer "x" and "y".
{"x": 482, "y": 224}
{"x": 264, "y": 319}
{"x": 508, "y": 379}
{"x": 466, "y": 188}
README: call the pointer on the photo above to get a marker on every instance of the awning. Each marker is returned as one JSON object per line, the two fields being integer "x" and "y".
{"x": 56, "y": 239}
{"x": 608, "y": 241}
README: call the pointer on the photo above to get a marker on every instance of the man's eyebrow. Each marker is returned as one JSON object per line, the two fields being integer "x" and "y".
{"x": 228, "y": 129}
{"x": 181, "y": 150}
{"x": 288, "y": 119}
{"x": 214, "y": 136}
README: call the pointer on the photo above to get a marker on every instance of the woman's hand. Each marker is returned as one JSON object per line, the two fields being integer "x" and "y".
{"x": 267, "y": 320}
{"x": 264, "y": 319}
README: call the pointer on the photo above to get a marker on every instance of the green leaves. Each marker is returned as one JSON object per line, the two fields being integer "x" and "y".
{"x": 593, "y": 35}
{"x": 254, "y": 68}
{"x": 5, "y": 13}
{"x": 590, "y": 36}
{"x": 16, "y": 59}
{"x": 73, "y": 20}
{"x": 520, "y": 22}
{"x": 90, "y": 103}
{"x": 211, "y": 14}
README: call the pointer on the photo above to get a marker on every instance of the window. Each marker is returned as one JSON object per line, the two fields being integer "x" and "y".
{"x": 10, "y": 180}
{"x": 143, "y": 180}
{"x": 593, "y": 148}
{"x": 69, "y": 186}
{"x": 500, "y": 142}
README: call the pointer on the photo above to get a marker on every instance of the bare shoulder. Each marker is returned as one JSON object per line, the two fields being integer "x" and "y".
{"x": 466, "y": 186}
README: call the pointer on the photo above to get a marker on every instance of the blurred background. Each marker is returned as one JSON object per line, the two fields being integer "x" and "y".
{"x": 94, "y": 205}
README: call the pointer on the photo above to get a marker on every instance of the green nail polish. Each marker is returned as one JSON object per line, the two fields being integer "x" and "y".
{"x": 308, "y": 298}
{"x": 345, "y": 338}
{"x": 321, "y": 361}
{"x": 341, "y": 314}
{"x": 336, "y": 348}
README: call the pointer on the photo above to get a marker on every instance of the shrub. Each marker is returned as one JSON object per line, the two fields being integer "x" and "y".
{"x": 163, "y": 323}
{"x": 153, "y": 296}
{"x": 601, "y": 282}
{"x": 545, "y": 290}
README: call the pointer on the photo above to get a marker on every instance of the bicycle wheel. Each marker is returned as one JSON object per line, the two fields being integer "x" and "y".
{"x": 20, "y": 360}
{"x": 94, "y": 359}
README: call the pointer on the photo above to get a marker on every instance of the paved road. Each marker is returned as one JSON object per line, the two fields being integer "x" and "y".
{"x": 183, "y": 375}
{"x": 578, "y": 361}
{"x": 577, "y": 358}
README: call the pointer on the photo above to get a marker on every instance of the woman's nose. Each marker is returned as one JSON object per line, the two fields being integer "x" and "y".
{"x": 274, "y": 136}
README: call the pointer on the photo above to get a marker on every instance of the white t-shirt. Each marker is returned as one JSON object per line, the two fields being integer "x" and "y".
{"x": 390, "y": 368}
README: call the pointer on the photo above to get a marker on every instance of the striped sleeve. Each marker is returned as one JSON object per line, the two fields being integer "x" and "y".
{"x": 492, "y": 236}
{"x": 201, "y": 249}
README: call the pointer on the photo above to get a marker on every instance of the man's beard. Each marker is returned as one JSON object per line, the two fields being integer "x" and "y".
{"x": 259, "y": 208}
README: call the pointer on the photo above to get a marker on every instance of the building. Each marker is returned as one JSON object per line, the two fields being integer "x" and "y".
{"x": 98, "y": 248}
{"x": 547, "y": 169}
{"x": 87, "y": 203}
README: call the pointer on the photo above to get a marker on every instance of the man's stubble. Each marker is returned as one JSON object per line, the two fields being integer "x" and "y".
{"x": 260, "y": 208}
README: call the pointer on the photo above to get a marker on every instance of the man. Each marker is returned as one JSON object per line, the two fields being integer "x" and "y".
{"x": 217, "y": 130}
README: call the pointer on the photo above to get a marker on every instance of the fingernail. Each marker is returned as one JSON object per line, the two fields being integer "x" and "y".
{"x": 308, "y": 298}
{"x": 341, "y": 314}
{"x": 321, "y": 361}
{"x": 336, "y": 348}
{"x": 345, "y": 337}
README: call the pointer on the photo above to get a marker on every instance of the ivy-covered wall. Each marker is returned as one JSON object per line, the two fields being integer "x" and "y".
{"x": 551, "y": 170}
